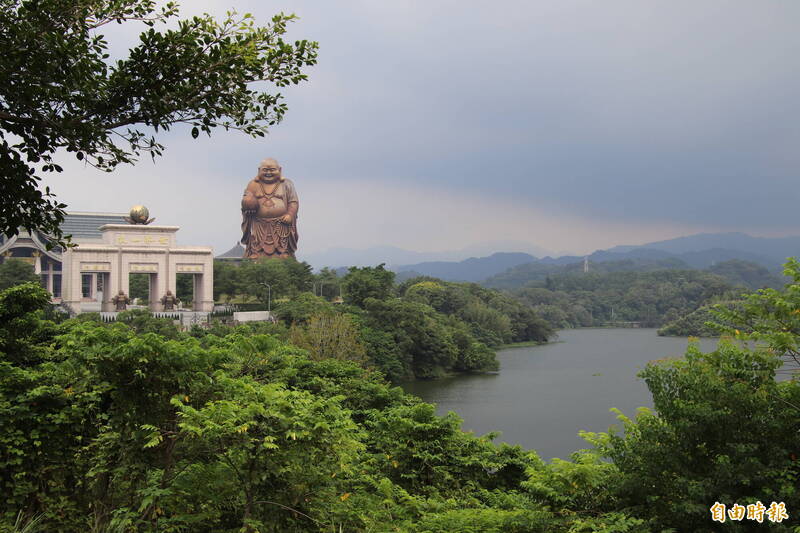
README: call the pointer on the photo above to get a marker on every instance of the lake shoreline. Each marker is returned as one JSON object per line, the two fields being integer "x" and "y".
{"x": 524, "y": 344}
{"x": 543, "y": 395}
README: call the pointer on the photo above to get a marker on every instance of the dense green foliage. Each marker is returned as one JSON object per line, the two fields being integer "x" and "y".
{"x": 494, "y": 318}
{"x": 426, "y": 328}
{"x": 723, "y": 430}
{"x": 736, "y": 271}
{"x": 60, "y": 90}
{"x": 367, "y": 282}
{"x": 769, "y": 316}
{"x": 747, "y": 274}
{"x": 246, "y": 281}
{"x": 650, "y": 291}
{"x": 139, "y": 287}
{"x": 698, "y": 323}
{"x": 650, "y": 298}
{"x": 422, "y": 328}
{"x": 426, "y": 345}
{"x": 109, "y": 426}
{"x": 133, "y": 427}
{"x": 123, "y": 426}
{"x": 531, "y": 273}
{"x": 330, "y": 336}
{"x": 299, "y": 310}
{"x": 15, "y": 272}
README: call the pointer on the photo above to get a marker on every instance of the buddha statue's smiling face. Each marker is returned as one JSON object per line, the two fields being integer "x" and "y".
{"x": 269, "y": 170}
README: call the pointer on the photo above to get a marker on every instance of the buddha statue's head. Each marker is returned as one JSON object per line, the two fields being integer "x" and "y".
{"x": 269, "y": 170}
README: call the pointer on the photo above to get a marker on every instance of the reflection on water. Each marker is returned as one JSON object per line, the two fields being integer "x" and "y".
{"x": 543, "y": 395}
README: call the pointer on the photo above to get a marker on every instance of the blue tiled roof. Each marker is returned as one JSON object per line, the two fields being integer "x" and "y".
{"x": 87, "y": 225}
{"x": 237, "y": 252}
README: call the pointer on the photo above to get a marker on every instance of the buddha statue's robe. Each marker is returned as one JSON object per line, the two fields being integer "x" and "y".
{"x": 263, "y": 232}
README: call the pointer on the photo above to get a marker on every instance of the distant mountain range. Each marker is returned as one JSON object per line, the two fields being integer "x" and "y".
{"x": 478, "y": 263}
{"x": 472, "y": 269}
{"x": 693, "y": 259}
{"x": 392, "y": 255}
{"x": 776, "y": 249}
{"x": 705, "y": 249}
{"x": 701, "y": 251}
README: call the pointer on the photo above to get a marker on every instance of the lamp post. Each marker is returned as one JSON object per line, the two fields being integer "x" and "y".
{"x": 269, "y": 296}
{"x": 314, "y": 287}
{"x": 339, "y": 299}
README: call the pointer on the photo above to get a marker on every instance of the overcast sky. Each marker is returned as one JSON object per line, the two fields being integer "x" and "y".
{"x": 570, "y": 125}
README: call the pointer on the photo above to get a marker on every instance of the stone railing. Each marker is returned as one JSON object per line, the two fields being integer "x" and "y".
{"x": 186, "y": 318}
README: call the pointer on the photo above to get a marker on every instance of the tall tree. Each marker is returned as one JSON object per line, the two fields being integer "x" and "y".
{"x": 330, "y": 336}
{"x": 59, "y": 89}
{"x": 768, "y": 316}
{"x": 15, "y": 272}
{"x": 367, "y": 282}
{"x": 285, "y": 277}
{"x": 139, "y": 287}
{"x": 327, "y": 283}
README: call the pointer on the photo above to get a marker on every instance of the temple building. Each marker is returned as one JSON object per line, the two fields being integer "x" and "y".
{"x": 235, "y": 255}
{"x": 94, "y": 275}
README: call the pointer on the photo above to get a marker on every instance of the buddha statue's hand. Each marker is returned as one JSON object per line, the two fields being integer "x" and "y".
{"x": 287, "y": 219}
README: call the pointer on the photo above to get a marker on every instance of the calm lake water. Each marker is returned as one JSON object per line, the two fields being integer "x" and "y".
{"x": 543, "y": 395}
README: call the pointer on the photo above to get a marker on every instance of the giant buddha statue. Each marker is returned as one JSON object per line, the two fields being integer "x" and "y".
{"x": 269, "y": 214}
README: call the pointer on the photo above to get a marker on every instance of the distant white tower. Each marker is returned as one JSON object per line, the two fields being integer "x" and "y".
{"x": 585, "y": 263}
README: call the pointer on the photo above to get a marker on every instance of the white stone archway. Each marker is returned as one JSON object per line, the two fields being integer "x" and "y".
{"x": 131, "y": 248}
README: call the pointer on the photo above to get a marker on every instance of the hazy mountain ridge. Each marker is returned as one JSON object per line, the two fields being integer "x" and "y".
{"x": 701, "y": 251}
{"x": 472, "y": 269}
{"x": 394, "y": 256}
{"x": 769, "y": 251}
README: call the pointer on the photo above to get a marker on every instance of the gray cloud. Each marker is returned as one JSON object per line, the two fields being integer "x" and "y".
{"x": 674, "y": 115}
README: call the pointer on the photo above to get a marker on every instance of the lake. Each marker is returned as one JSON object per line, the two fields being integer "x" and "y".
{"x": 543, "y": 395}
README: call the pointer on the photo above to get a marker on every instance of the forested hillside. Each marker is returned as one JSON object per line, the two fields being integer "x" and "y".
{"x": 136, "y": 426}
{"x": 651, "y": 292}
{"x": 531, "y": 273}
{"x": 747, "y": 274}
{"x": 650, "y": 298}
{"x": 736, "y": 271}
{"x": 421, "y": 328}
{"x": 696, "y": 323}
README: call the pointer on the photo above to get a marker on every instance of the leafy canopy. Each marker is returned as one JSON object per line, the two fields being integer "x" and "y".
{"x": 15, "y": 272}
{"x": 59, "y": 89}
{"x": 768, "y": 316}
{"x": 121, "y": 425}
{"x": 367, "y": 282}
